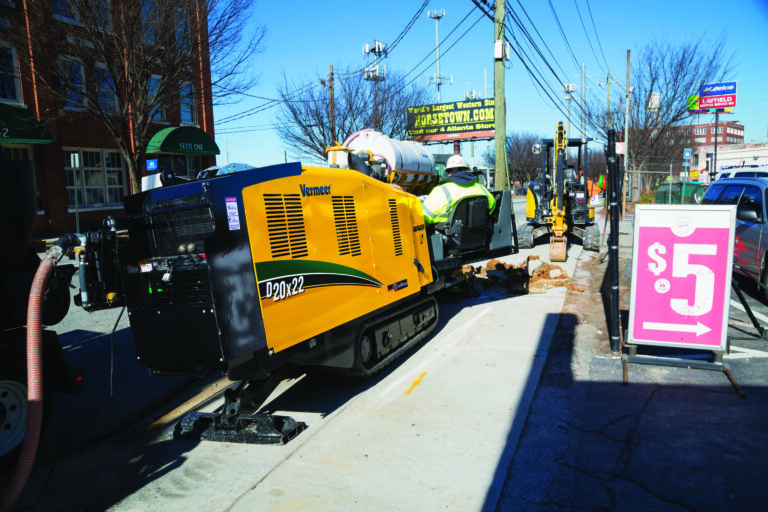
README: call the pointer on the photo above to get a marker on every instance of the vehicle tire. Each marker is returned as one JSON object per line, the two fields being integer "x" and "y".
{"x": 591, "y": 241}
{"x": 525, "y": 236}
{"x": 13, "y": 409}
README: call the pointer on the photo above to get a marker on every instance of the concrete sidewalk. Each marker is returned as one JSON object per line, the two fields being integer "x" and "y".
{"x": 672, "y": 439}
{"x": 437, "y": 431}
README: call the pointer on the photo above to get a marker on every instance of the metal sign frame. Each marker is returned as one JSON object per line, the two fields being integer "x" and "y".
{"x": 681, "y": 276}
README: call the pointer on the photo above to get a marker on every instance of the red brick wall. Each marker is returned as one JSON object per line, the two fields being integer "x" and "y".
{"x": 86, "y": 131}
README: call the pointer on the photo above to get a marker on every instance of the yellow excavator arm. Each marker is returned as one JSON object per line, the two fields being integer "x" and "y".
{"x": 558, "y": 248}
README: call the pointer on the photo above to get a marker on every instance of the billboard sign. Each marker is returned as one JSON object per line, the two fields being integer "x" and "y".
{"x": 681, "y": 276}
{"x": 717, "y": 95}
{"x": 452, "y": 121}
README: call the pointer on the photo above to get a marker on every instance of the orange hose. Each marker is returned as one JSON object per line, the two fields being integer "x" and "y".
{"x": 34, "y": 385}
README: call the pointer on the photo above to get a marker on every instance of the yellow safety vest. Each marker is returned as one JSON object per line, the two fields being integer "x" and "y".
{"x": 440, "y": 202}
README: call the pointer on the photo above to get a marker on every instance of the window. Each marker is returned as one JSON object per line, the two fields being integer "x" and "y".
{"x": 700, "y": 131}
{"x": 106, "y": 89}
{"x": 102, "y": 13}
{"x": 752, "y": 200}
{"x": 157, "y": 113}
{"x": 181, "y": 165}
{"x": 148, "y": 21}
{"x": 63, "y": 9}
{"x": 95, "y": 178}
{"x": 695, "y": 160}
{"x": 10, "y": 87}
{"x": 183, "y": 38}
{"x": 187, "y": 103}
{"x": 719, "y": 129}
{"x": 72, "y": 83}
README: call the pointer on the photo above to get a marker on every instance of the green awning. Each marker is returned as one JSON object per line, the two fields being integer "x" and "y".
{"x": 182, "y": 140}
{"x": 17, "y": 126}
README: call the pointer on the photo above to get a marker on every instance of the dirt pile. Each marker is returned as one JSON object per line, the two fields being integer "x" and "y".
{"x": 534, "y": 275}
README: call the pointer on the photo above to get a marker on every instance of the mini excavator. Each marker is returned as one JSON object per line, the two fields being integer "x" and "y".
{"x": 558, "y": 202}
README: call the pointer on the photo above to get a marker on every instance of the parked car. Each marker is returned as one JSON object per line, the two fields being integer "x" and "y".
{"x": 743, "y": 171}
{"x": 749, "y": 196}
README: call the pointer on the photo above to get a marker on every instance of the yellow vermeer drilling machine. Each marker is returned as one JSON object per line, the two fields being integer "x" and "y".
{"x": 558, "y": 202}
{"x": 264, "y": 271}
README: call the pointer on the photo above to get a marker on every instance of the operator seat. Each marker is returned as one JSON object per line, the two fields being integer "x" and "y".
{"x": 468, "y": 226}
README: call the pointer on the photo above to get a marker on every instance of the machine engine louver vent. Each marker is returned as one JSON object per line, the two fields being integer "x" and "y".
{"x": 347, "y": 234}
{"x": 395, "y": 228}
{"x": 285, "y": 225}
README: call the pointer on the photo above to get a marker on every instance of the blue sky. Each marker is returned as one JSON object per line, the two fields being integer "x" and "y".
{"x": 304, "y": 37}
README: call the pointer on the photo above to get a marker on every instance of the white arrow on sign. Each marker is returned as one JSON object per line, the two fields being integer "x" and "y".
{"x": 699, "y": 328}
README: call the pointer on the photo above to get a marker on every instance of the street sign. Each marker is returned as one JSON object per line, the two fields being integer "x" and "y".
{"x": 152, "y": 165}
{"x": 681, "y": 276}
{"x": 717, "y": 95}
{"x": 686, "y": 163}
{"x": 687, "y": 153}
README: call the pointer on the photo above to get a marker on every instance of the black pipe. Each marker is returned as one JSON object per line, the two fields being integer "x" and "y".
{"x": 613, "y": 240}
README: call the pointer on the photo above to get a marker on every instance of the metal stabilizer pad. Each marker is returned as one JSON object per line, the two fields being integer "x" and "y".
{"x": 558, "y": 248}
{"x": 243, "y": 428}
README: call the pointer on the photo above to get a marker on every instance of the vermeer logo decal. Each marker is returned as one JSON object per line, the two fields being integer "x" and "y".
{"x": 398, "y": 285}
{"x": 315, "y": 191}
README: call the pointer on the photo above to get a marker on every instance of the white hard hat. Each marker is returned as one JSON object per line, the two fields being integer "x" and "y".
{"x": 456, "y": 162}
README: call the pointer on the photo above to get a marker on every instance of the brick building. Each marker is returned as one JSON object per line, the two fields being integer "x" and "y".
{"x": 728, "y": 132}
{"x": 80, "y": 173}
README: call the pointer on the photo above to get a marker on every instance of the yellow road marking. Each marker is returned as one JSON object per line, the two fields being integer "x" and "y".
{"x": 415, "y": 383}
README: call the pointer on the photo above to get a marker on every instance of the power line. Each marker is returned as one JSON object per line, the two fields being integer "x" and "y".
{"x": 597, "y": 36}
{"x": 525, "y": 64}
{"x": 589, "y": 40}
{"x": 519, "y": 22}
{"x": 562, "y": 33}
{"x": 272, "y": 102}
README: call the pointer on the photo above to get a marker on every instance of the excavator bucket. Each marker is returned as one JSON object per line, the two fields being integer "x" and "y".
{"x": 558, "y": 248}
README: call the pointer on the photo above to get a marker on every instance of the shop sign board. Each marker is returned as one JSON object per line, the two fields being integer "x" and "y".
{"x": 681, "y": 276}
{"x": 470, "y": 119}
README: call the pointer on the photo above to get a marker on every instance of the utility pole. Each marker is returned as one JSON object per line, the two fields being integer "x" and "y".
{"x": 471, "y": 95}
{"x": 568, "y": 89}
{"x": 437, "y": 16}
{"x": 500, "y": 180}
{"x": 626, "y": 145}
{"x": 608, "y": 95}
{"x": 332, "y": 105}
{"x": 584, "y": 103}
{"x": 376, "y": 75}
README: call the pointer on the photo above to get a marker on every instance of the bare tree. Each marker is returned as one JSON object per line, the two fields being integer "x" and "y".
{"x": 305, "y": 115}
{"x": 128, "y": 61}
{"x": 523, "y": 164}
{"x": 657, "y": 130}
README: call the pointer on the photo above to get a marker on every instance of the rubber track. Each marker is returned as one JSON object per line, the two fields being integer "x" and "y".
{"x": 373, "y": 322}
